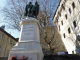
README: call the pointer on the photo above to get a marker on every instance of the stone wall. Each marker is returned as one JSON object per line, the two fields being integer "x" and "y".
{"x": 56, "y": 42}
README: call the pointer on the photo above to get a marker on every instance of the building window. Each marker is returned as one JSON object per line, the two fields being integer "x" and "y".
{"x": 69, "y": 30}
{"x": 57, "y": 17}
{"x": 64, "y": 35}
{"x": 11, "y": 42}
{"x": 14, "y": 43}
{"x": 0, "y": 34}
{"x": 66, "y": 16}
{"x": 63, "y": 7}
{"x": 8, "y": 52}
{"x": 60, "y": 10}
{"x": 74, "y": 23}
{"x": 59, "y": 14}
{"x": 72, "y": 52}
{"x": 59, "y": 27}
{"x": 79, "y": 1}
{"x": 73, "y": 5}
{"x": 69, "y": 10}
{"x": 62, "y": 22}
{"x": 0, "y": 48}
{"x": 79, "y": 16}
{"x": 56, "y": 20}
{"x": 3, "y": 37}
{"x": 78, "y": 37}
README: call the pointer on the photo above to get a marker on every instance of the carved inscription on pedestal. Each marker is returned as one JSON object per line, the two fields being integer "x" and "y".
{"x": 28, "y": 32}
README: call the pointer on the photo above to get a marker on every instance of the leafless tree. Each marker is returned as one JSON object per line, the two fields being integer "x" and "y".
{"x": 15, "y": 10}
{"x": 13, "y": 13}
{"x": 45, "y": 16}
{"x": 47, "y": 8}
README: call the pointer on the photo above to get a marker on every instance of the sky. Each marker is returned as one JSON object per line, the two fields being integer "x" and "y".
{"x": 13, "y": 32}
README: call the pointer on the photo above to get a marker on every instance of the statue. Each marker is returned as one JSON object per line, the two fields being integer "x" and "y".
{"x": 31, "y": 10}
{"x": 35, "y": 10}
{"x": 28, "y": 9}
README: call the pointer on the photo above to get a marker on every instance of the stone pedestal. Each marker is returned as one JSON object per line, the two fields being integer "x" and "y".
{"x": 29, "y": 41}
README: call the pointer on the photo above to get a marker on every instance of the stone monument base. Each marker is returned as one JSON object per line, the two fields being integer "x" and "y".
{"x": 29, "y": 42}
{"x": 30, "y": 49}
{"x": 31, "y": 56}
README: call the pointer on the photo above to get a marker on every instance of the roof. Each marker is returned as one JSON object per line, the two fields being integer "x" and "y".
{"x": 8, "y": 34}
{"x": 57, "y": 8}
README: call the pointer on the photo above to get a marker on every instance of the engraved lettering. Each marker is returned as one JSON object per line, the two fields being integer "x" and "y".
{"x": 28, "y": 32}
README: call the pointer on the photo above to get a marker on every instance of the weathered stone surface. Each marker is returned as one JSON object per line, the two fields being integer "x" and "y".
{"x": 29, "y": 41}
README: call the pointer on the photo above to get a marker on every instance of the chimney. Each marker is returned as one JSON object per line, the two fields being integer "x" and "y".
{"x": 3, "y": 27}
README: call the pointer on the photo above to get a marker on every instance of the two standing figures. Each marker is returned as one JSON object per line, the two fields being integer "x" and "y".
{"x": 31, "y": 10}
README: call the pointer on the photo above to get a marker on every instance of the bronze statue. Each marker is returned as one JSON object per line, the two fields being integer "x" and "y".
{"x": 35, "y": 10}
{"x": 31, "y": 10}
{"x": 28, "y": 10}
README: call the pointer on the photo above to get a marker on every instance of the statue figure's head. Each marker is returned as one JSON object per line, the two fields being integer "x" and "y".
{"x": 30, "y": 2}
{"x": 36, "y": 3}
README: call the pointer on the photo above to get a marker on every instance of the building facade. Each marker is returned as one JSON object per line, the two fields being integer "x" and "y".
{"x": 6, "y": 43}
{"x": 67, "y": 20}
